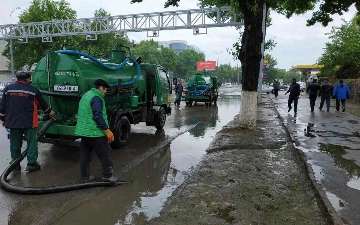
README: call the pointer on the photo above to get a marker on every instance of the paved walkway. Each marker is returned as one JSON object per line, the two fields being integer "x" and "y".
{"x": 247, "y": 177}
{"x": 331, "y": 142}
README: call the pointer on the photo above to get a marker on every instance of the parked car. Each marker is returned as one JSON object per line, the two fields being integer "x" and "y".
{"x": 284, "y": 87}
{"x": 302, "y": 86}
{"x": 228, "y": 85}
{"x": 266, "y": 89}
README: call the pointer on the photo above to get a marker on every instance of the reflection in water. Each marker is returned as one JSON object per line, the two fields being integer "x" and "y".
{"x": 111, "y": 206}
{"x": 157, "y": 177}
{"x": 207, "y": 118}
{"x": 337, "y": 152}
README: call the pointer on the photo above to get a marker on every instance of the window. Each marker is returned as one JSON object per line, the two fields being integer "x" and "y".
{"x": 178, "y": 46}
{"x": 163, "y": 76}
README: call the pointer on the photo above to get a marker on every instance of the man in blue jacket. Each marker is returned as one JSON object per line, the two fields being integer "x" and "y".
{"x": 294, "y": 91}
{"x": 19, "y": 113}
{"x": 341, "y": 93}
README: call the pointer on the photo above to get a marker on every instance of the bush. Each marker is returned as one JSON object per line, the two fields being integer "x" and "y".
{"x": 354, "y": 85}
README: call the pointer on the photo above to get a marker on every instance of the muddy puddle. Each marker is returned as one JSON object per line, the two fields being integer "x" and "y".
{"x": 160, "y": 173}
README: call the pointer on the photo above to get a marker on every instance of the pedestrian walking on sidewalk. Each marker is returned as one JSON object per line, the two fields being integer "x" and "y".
{"x": 294, "y": 95}
{"x": 93, "y": 128}
{"x": 276, "y": 87}
{"x": 19, "y": 113}
{"x": 341, "y": 93}
{"x": 178, "y": 91}
{"x": 326, "y": 91}
{"x": 313, "y": 90}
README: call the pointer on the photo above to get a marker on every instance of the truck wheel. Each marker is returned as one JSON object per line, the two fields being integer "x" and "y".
{"x": 160, "y": 119}
{"x": 191, "y": 102}
{"x": 122, "y": 132}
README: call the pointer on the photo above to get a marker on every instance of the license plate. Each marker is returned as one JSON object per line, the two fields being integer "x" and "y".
{"x": 66, "y": 88}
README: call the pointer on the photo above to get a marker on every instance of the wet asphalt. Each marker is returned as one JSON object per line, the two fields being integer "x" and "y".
{"x": 156, "y": 162}
{"x": 331, "y": 142}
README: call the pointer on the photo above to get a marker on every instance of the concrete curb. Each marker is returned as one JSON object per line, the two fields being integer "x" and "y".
{"x": 335, "y": 218}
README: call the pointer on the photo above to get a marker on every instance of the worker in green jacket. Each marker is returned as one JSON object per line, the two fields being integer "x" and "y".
{"x": 93, "y": 128}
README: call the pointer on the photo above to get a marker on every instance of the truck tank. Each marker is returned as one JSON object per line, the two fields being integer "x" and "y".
{"x": 138, "y": 90}
{"x": 202, "y": 87}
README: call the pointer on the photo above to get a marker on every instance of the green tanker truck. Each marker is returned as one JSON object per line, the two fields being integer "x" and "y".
{"x": 139, "y": 92}
{"x": 202, "y": 88}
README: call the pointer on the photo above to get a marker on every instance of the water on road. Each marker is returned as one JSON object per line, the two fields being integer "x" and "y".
{"x": 156, "y": 162}
{"x": 331, "y": 143}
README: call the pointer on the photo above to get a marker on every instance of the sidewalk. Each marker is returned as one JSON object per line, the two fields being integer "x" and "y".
{"x": 247, "y": 177}
{"x": 331, "y": 143}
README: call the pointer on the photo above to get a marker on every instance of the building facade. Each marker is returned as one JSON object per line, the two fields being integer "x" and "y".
{"x": 178, "y": 46}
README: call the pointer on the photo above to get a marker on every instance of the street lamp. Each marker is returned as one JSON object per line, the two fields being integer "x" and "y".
{"x": 217, "y": 61}
{"x": 11, "y": 50}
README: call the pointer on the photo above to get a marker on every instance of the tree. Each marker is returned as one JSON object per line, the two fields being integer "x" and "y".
{"x": 291, "y": 74}
{"x": 343, "y": 50}
{"x": 168, "y": 58}
{"x": 272, "y": 72}
{"x": 187, "y": 63}
{"x": 250, "y": 51}
{"x": 101, "y": 47}
{"x": 35, "y": 49}
{"x": 226, "y": 73}
{"x": 148, "y": 51}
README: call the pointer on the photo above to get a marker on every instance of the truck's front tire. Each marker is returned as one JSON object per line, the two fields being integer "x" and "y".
{"x": 122, "y": 132}
{"x": 160, "y": 119}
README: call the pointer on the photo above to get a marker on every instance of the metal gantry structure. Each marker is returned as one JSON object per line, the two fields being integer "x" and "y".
{"x": 195, "y": 19}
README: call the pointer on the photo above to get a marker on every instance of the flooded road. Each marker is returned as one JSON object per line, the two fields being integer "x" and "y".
{"x": 331, "y": 142}
{"x": 156, "y": 162}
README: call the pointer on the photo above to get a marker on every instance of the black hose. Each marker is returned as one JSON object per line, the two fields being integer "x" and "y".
{"x": 47, "y": 190}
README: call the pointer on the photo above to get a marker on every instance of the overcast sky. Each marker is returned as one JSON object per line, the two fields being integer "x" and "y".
{"x": 296, "y": 43}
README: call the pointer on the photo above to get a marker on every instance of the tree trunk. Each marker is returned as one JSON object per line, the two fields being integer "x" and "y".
{"x": 250, "y": 56}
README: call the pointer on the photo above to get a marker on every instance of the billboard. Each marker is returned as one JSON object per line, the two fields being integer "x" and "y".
{"x": 206, "y": 65}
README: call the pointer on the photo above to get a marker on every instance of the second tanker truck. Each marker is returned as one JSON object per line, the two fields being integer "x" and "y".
{"x": 202, "y": 87}
{"x": 140, "y": 92}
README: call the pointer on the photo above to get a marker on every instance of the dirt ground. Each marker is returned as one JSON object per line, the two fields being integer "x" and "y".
{"x": 247, "y": 177}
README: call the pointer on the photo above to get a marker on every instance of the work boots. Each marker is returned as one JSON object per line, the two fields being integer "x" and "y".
{"x": 32, "y": 168}
{"x": 87, "y": 179}
{"x": 110, "y": 179}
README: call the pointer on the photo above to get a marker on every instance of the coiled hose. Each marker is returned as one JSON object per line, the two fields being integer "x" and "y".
{"x": 197, "y": 92}
{"x": 121, "y": 65}
{"x": 48, "y": 190}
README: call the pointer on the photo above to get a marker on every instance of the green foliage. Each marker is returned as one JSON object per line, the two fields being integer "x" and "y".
{"x": 272, "y": 72}
{"x": 47, "y": 10}
{"x": 187, "y": 63}
{"x": 184, "y": 64}
{"x": 148, "y": 51}
{"x": 291, "y": 74}
{"x": 101, "y": 47}
{"x": 343, "y": 50}
{"x": 35, "y": 49}
{"x": 168, "y": 58}
{"x": 276, "y": 73}
{"x": 226, "y": 73}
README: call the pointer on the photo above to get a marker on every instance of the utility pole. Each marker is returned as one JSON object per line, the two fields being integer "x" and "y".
{"x": 11, "y": 51}
{"x": 237, "y": 70}
{"x": 262, "y": 53}
{"x": 217, "y": 61}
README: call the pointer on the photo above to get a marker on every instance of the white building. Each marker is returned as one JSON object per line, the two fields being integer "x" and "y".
{"x": 178, "y": 45}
